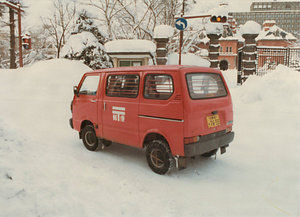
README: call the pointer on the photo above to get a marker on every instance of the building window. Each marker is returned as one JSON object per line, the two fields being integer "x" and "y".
{"x": 123, "y": 63}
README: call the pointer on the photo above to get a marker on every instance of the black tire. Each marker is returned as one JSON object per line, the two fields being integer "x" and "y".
{"x": 159, "y": 157}
{"x": 210, "y": 153}
{"x": 89, "y": 138}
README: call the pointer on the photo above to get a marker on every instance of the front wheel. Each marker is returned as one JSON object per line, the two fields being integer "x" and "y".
{"x": 89, "y": 138}
{"x": 159, "y": 157}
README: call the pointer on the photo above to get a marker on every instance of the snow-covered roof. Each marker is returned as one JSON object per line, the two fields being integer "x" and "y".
{"x": 275, "y": 33}
{"x": 228, "y": 38}
{"x": 130, "y": 46}
{"x": 270, "y": 21}
{"x": 163, "y": 31}
{"x": 250, "y": 27}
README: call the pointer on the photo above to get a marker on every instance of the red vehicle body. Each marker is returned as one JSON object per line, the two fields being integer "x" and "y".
{"x": 173, "y": 111}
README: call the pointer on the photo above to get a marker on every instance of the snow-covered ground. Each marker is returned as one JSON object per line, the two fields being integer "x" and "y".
{"x": 46, "y": 171}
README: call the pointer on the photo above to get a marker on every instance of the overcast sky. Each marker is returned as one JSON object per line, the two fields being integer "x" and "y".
{"x": 36, "y": 8}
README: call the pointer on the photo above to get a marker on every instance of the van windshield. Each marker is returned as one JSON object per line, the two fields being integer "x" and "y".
{"x": 205, "y": 85}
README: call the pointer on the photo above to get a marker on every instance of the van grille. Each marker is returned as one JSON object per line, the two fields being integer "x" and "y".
{"x": 177, "y": 97}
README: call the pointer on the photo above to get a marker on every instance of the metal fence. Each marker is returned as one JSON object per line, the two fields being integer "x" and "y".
{"x": 268, "y": 58}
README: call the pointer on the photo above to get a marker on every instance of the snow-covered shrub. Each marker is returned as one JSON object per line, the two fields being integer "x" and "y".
{"x": 86, "y": 44}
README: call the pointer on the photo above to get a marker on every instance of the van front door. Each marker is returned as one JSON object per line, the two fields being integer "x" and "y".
{"x": 85, "y": 104}
{"x": 120, "y": 109}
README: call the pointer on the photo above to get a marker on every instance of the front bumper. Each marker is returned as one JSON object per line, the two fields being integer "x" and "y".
{"x": 206, "y": 145}
{"x": 71, "y": 123}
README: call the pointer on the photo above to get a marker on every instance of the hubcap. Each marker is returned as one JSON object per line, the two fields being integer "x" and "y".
{"x": 90, "y": 138}
{"x": 157, "y": 158}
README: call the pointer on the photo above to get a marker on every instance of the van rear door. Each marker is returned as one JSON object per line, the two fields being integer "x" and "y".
{"x": 208, "y": 106}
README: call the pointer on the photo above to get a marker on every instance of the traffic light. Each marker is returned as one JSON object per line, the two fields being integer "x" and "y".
{"x": 26, "y": 42}
{"x": 218, "y": 19}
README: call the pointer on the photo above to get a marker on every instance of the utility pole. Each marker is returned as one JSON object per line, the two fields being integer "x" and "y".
{"x": 12, "y": 39}
{"x": 13, "y": 7}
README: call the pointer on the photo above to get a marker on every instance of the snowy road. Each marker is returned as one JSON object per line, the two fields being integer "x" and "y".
{"x": 46, "y": 171}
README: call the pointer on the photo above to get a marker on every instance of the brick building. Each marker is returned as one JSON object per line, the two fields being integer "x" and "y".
{"x": 286, "y": 15}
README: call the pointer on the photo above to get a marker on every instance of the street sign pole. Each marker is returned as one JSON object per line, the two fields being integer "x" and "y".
{"x": 181, "y": 34}
{"x": 180, "y": 24}
{"x": 180, "y": 46}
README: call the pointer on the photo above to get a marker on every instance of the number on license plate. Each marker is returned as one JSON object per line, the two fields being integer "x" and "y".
{"x": 213, "y": 121}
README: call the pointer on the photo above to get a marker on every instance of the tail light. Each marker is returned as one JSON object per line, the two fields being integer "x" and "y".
{"x": 71, "y": 106}
{"x": 228, "y": 129}
{"x": 189, "y": 140}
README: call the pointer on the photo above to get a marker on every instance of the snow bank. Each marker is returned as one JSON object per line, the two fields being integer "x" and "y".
{"x": 187, "y": 59}
{"x": 250, "y": 27}
{"x": 132, "y": 45}
{"x": 48, "y": 87}
{"x": 163, "y": 31}
{"x": 46, "y": 171}
{"x": 277, "y": 89}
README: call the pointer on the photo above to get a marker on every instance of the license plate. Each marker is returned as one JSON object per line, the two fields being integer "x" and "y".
{"x": 213, "y": 121}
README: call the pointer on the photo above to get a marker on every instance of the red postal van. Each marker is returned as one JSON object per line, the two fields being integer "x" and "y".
{"x": 174, "y": 112}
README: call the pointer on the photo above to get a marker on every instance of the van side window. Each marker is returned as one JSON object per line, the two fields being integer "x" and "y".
{"x": 205, "y": 85}
{"x": 89, "y": 85}
{"x": 122, "y": 86}
{"x": 158, "y": 86}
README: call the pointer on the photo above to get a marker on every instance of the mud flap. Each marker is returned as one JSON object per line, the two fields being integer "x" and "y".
{"x": 101, "y": 145}
{"x": 223, "y": 149}
{"x": 180, "y": 162}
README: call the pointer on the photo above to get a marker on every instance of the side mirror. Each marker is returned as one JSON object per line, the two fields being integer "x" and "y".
{"x": 75, "y": 90}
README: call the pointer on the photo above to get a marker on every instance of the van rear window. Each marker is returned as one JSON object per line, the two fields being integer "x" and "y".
{"x": 158, "y": 86}
{"x": 205, "y": 85}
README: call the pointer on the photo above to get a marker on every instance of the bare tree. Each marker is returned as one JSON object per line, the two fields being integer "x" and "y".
{"x": 134, "y": 18}
{"x": 60, "y": 25}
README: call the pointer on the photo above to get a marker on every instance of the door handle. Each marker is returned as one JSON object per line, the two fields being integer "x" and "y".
{"x": 104, "y": 106}
{"x": 92, "y": 100}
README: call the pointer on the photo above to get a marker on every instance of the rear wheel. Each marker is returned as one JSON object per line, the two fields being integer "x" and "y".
{"x": 210, "y": 153}
{"x": 159, "y": 157}
{"x": 89, "y": 138}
